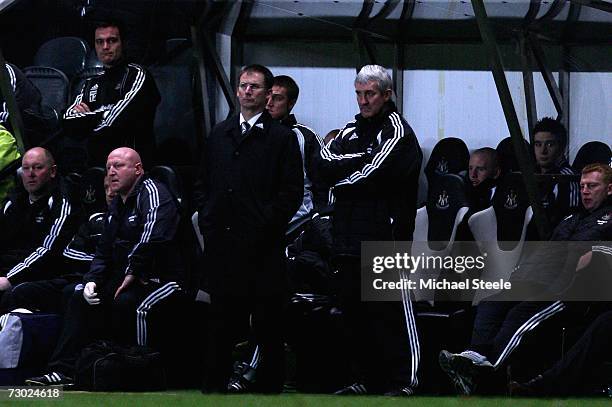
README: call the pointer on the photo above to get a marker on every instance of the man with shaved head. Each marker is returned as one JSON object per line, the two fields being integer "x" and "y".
{"x": 137, "y": 269}
{"x": 36, "y": 224}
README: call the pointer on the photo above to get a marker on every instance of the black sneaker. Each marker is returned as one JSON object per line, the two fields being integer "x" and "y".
{"x": 51, "y": 379}
{"x": 460, "y": 369}
{"x": 354, "y": 389}
{"x": 401, "y": 392}
{"x": 528, "y": 389}
{"x": 242, "y": 379}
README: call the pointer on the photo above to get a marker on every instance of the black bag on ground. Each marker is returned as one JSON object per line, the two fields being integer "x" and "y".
{"x": 106, "y": 366}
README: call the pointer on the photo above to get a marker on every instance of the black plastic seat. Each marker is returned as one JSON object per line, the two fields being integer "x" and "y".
{"x": 501, "y": 230}
{"x": 507, "y": 157}
{"x": 436, "y": 225}
{"x": 68, "y": 54}
{"x": 590, "y": 153}
{"x": 175, "y": 121}
{"x": 167, "y": 176}
{"x": 92, "y": 61}
{"x": 93, "y": 196}
{"x": 52, "y": 84}
{"x": 449, "y": 156}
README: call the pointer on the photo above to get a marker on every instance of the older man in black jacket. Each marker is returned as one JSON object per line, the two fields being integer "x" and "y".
{"x": 251, "y": 184}
{"x": 135, "y": 275}
{"x": 373, "y": 165}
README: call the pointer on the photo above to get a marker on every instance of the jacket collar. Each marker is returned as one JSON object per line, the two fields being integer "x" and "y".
{"x": 137, "y": 187}
{"x": 116, "y": 68}
{"x": 289, "y": 121}
{"x": 375, "y": 121}
{"x": 261, "y": 125}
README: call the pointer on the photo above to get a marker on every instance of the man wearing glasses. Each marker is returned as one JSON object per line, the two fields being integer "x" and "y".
{"x": 250, "y": 184}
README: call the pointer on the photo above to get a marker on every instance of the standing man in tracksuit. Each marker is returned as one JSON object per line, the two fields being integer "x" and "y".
{"x": 500, "y": 326}
{"x": 116, "y": 108}
{"x": 373, "y": 165}
{"x": 136, "y": 272}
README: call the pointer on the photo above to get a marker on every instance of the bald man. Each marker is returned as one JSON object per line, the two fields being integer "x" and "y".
{"x": 136, "y": 272}
{"x": 35, "y": 224}
{"x": 483, "y": 172}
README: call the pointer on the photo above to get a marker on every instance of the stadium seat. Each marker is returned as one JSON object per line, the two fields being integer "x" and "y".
{"x": 93, "y": 196}
{"x": 77, "y": 82}
{"x": 449, "y": 156}
{"x": 168, "y": 177}
{"x": 175, "y": 45}
{"x": 507, "y": 157}
{"x": 92, "y": 61}
{"x": 68, "y": 54}
{"x": 436, "y": 223}
{"x": 175, "y": 121}
{"x": 52, "y": 84}
{"x": 592, "y": 152}
{"x": 72, "y": 182}
{"x": 501, "y": 229}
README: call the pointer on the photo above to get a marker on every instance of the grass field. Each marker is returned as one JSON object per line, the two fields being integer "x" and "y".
{"x": 193, "y": 398}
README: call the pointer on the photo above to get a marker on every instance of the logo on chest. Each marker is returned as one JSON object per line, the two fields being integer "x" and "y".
{"x": 604, "y": 219}
{"x": 93, "y": 93}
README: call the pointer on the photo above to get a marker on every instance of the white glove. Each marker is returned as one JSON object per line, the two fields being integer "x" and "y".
{"x": 90, "y": 294}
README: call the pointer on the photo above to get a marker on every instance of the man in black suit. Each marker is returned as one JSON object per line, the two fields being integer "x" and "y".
{"x": 250, "y": 185}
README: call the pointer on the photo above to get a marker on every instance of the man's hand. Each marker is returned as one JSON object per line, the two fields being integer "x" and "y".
{"x": 584, "y": 261}
{"x": 127, "y": 281}
{"x": 90, "y": 294}
{"x": 82, "y": 108}
{"x": 5, "y": 284}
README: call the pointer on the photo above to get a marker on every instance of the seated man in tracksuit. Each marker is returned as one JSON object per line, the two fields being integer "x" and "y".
{"x": 36, "y": 225}
{"x": 501, "y": 325}
{"x": 579, "y": 371}
{"x": 137, "y": 269}
{"x": 47, "y": 295}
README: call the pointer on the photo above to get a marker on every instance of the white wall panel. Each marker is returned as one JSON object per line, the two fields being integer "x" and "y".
{"x": 465, "y": 104}
{"x": 590, "y": 108}
{"x": 327, "y": 96}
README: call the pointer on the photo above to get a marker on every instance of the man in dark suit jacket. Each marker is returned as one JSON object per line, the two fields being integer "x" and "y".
{"x": 250, "y": 185}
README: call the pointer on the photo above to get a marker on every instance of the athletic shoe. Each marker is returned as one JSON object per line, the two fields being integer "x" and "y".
{"x": 401, "y": 392}
{"x": 243, "y": 378}
{"x": 528, "y": 389}
{"x": 460, "y": 369}
{"x": 354, "y": 389}
{"x": 51, "y": 379}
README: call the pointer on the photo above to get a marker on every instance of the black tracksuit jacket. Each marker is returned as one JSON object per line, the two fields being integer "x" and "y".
{"x": 122, "y": 100}
{"x": 140, "y": 238}
{"x": 34, "y": 235}
{"x": 374, "y": 165}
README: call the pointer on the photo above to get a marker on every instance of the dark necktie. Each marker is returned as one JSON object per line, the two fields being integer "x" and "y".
{"x": 245, "y": 127}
